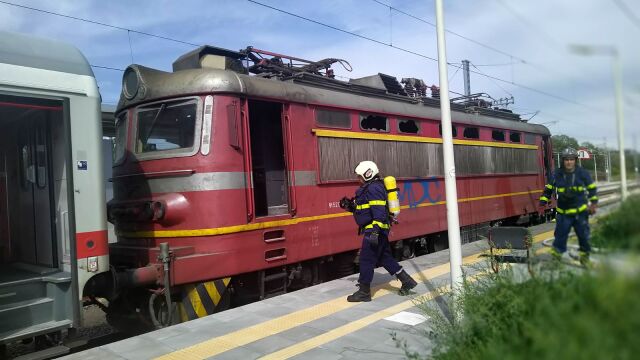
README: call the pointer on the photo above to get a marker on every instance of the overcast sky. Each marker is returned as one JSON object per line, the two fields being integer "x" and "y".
{"x": 523, "y": 43}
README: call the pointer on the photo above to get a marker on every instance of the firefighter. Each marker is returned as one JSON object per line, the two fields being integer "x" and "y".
{"x": 372, "y": 217}
{"x": 571, "y": 183}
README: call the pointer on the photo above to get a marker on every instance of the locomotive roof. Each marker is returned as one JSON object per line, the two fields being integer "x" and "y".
{"x": 29, "y": 51}
{"x": 158, "y": 84}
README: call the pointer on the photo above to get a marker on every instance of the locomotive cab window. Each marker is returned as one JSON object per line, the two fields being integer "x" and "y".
{"x": 514, "y": 137}
{"x": 166, "y": 127}
{"x": 371, "y": 122}
{"x": 529, "y": 139}
{"x": 408, "y": 126}
{"x": 497, "y": 135}
{"x": 454, "y": 130}
{"x": 333, "y": 118}
{"x": 471, "y": 133}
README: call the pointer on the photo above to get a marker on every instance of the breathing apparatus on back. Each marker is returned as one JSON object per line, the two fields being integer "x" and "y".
{"x": 393, "y": 203}
{"x": 368, "y": 171}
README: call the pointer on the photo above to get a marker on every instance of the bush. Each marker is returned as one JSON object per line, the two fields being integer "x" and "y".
{"x": 572, "y": 316}
{"x": 621, "y": 228}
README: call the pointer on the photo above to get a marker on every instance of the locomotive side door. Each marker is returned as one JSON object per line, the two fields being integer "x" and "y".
{"x": 268, "y": 161}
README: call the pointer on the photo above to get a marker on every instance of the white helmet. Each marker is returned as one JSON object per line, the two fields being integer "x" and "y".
{"x": 367, "y": 170}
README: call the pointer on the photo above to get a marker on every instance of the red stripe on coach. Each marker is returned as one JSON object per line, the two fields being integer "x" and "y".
{"x": 93, "y": 243}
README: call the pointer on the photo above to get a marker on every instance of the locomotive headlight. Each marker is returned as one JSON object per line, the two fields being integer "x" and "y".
{"x": 130, "y": 83}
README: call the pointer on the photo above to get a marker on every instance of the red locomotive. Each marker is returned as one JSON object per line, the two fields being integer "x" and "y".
{"x": 226, "y": 185}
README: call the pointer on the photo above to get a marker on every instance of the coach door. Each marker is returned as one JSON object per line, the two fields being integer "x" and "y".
{"x": 268, "y": 161}
{"x": 27, "y": 191}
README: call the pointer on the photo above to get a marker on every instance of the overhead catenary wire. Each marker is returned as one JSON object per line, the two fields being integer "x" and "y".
{"x": 452, "y": 32}
{"x": 520, "y": 60}
{"x": 498, "y": 85}
{"x": 628, "y": 13}
{"x": 531, "y": 89}
{"x": 97, "y": 23}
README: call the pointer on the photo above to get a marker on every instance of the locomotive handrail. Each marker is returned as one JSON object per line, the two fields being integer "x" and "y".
{"x": 156, "y": 174}
{"x": 292, "y": 178}
{"x": 247, "y": 162}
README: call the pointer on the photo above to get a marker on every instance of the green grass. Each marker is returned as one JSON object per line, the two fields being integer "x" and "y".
{"x": 562, "y": 313}
{"x": 620, "y": 230}
{"x": 590, "y": 316}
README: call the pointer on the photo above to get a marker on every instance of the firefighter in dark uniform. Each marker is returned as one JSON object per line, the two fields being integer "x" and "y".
{"x": 369, "y": 208}
{"x": 572, "y": 183}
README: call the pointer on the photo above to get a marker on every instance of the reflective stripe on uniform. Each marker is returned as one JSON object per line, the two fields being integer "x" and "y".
{"x": 371, "y": 203}
{"x": 544, "y": 198}
{"x": 573, "y": 188}
{"x": 572, "y": 211}
{"x": 549, "y": 186}
{"x": 380, "y": 225}
{"x": 593, "y": 198}
{"x": 591, "y": 186}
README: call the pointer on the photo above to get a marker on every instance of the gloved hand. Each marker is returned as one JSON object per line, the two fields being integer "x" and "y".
{"x": 593, "y": 208}
{"x": 348, "y": 204}
{"x": 372, "y": 239}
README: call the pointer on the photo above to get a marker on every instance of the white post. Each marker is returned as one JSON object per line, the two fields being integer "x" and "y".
{"x": 617, "y": 79}
{"x": 595, "y": 167}
{"x": 453, "y": 222}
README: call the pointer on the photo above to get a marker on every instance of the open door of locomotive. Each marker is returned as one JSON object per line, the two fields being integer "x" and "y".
{"x": 268, "y": 162}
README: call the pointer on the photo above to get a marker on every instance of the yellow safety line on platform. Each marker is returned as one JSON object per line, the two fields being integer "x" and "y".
{"x": 278, "y": 223}
{"x": 265, "y": 329}
{"x": 418, "y": 139}
{"x": 356, "y": 325}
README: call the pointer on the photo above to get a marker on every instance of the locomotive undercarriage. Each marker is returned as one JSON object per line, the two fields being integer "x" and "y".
{"x": 135, "y": 309}
{"x": 138, "y": 303}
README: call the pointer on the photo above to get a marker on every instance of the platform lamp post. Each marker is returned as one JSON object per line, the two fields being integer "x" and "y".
{"x": 453, "y": 222}
{"x": 588, "y": 50}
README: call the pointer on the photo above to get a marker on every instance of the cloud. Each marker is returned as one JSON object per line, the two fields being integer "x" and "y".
{"x": 538, "y": 32}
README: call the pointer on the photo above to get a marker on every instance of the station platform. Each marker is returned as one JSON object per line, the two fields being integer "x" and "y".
{"x": 313, "y": 323}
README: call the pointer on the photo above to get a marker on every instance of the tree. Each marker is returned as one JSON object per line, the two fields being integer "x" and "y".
{"x": 561, "y": 142}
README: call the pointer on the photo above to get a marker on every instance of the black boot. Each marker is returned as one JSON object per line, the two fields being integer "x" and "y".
{"x": 407, "y": 282}
{"x": 363, "y": 294}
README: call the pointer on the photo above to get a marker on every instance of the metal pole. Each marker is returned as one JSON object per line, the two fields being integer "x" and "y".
{"x": 617, "y": 79}
{"x": 635, "y": 155}
{"x": 558, "y": 160}
{"x": 595, "y": 166}
{"x": 607, "y": 161}
{"x": 453, "y": 222}
{"x": 467, "y": 79}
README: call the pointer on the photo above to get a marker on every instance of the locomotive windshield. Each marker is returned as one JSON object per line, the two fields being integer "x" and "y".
{"x": 166, "y": 126}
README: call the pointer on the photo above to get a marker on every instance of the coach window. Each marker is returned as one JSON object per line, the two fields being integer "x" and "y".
{"x": 121, "y": 137}
{"x": 408, "y": 126}
{"x": 333, "y": 118}
{"x": 454, "y": 130}
{"x": 497, "y": 135}
{"x": 471, "y": 133}
{"x": 372, "y": 122}
{"x": 514, "y": 137}
{"x": 168, "y": 128}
